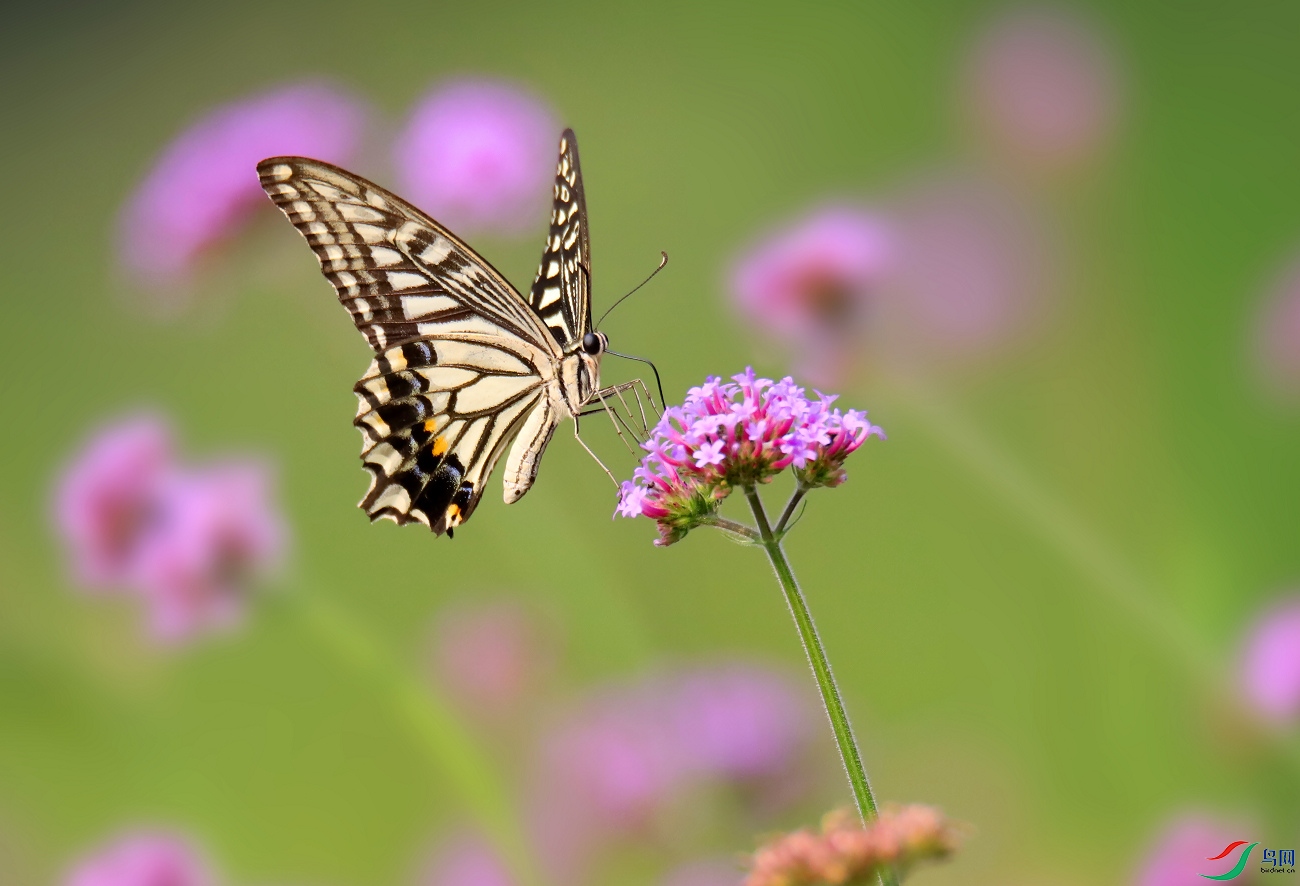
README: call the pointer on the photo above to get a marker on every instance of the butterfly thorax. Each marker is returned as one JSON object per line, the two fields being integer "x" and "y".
{"x": 580, "y": 372}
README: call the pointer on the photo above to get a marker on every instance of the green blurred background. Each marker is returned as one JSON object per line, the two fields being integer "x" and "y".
{"x": 1033, "y": 594}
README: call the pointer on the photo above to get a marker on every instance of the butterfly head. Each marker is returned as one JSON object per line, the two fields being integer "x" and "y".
{"x": 594, "y": 343}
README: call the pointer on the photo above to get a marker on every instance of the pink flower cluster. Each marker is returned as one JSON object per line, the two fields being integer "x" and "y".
{"x": 738, "y": 433}
{"x": 188, "y": 542}
{"x": 143, "y": 858}
{"x": 847, "y": 852}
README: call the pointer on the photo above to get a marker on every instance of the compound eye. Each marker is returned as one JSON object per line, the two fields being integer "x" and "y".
{"x": 591, "y": 343}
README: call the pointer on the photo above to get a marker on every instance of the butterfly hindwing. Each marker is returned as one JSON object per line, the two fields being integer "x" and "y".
{"x": 561, "y": 292}
{"x": 435, "y": 416}
{"x": 461, "y": 361}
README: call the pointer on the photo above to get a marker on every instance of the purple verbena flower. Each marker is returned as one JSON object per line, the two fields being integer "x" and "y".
{"x": 105, "y": 498}
{"x": 479, "y": 155}
{"x": 737, "y": 433}
{"x": 204, "y": 184}
{"x": 144, "y": 858}
{"x": 215, "y": 534}
{"x": 1270, "y": 666}
{"x": 811, "y": 285}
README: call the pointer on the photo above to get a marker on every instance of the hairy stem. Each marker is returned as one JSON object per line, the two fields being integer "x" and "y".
{"x": 732, "y": 526}
{"x": 783, "y": 521}
{"x": 812, "y": 645}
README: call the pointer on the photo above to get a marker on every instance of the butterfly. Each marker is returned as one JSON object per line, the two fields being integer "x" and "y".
{"x": 464, "y": 366}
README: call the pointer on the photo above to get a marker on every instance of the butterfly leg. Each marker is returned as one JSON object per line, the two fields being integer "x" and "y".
{"x": 577, "y": 436}
{"x": 615, "y": 416}
{"x": 643, "y": 430}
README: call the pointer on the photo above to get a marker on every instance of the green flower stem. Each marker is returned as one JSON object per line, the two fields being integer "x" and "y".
{"x": 738, "y": 529}
{"x": 455, "y": 753}
{"x": 812, "y": 645}
{"x": 782, "y": 523}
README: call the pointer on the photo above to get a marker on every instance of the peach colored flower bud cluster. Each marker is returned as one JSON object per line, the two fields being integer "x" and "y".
{"x": 846, "y": 852}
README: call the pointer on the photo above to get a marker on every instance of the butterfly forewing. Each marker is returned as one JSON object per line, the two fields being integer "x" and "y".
{"x": 461, "y": 361}
{"x": 561, "y": 292}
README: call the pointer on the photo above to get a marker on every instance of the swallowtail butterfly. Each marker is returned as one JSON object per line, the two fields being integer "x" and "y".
{"x": 464, "y": 367}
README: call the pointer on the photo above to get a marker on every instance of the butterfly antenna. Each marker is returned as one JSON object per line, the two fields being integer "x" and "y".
{"x": 662, "y": 261}
{"x": 653, "y": 368}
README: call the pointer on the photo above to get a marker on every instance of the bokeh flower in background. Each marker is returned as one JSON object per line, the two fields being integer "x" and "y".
{"x": 1180, "y": 852}
{"x": 189, "y": 542}
{"x": 105, "y": 498}
{"x": 1276, "y": 344}
{"x": 975, "y": 267}
{"x": 464, "y": 859}
{"x": 811, "y": 285}
{"x": 1270, "y": 662}
{"x": 479, "y": 155}
{"x": 737, "y": 721}
{"x": 491, "y": 657}
{"x": 1042, "y": 86}
{"x": 144, "y": 858}
{"x": 215, "y": 534}
{"x": 203, "y": 185}
{"x": 846, "y": 851}
{"x": 614, "y": 767}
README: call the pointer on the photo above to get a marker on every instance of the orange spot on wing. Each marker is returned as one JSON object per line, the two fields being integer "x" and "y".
{"x": 439, "y": 443}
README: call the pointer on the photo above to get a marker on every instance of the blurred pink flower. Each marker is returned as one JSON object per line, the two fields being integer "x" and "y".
{"x": 974, "y": 269}
{"x": 1181, "y": 853}
{"x": 1043, "y": 86}
{"x": 216, "y": 534}
{"x": 105, "y": 497}
{"x": 811, "y": 284}
{"x": 705, "y": 873}
{"x": 466, "y": 860}
{"x": 617, "y": 757}
{"x": 614, "y": 765}
{"x": 490, "y": 656}
{"x": 145, "y": 858}
{"x": 1277, "y": 336}
{"x": 189, "y": 542}
{"x": 846, "y": 851}
{"x": 479, "y": 155}
{"x": 204, "y": 184}
{"x": 1270, "y": 665}
{"x": 738, "y": 721}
